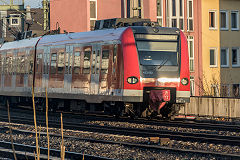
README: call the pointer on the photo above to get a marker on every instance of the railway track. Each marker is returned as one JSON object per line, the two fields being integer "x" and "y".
{"x": 72, "y": 155}
{"x": 173, "y": 135}
{"x": 27, "y": 152}
{"x": 230, "y": 127}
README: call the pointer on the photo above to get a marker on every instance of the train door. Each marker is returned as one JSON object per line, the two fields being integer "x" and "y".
{"x": 68, "y": 68}
{"x": 46, "y": 64}
{"x": 20, "y": 69}
{"x": 56, "y": 76}
{"x": 106, "y": 69}
{"x": 8, "y": 73}
{"x": 95, "y": 62}
{"x": 39, "y": 69}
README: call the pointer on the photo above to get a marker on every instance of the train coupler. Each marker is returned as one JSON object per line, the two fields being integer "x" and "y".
{"x": 158, "y": 99}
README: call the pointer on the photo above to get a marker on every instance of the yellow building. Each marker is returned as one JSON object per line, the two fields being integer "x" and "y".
{"x": 220, "y": 47}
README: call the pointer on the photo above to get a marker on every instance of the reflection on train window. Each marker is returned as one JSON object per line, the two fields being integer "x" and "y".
{"x": 115, "y": 53}
{"x": 0, "y": 65}
{"x": 77, "y": 63}
{"x": 22, "y": 64}
{"x": 97, "y": 62}
{"x": 60, "y": 62}
{"x": 66, "y": 62}
{"x": 53, "y": 63}
{"x": 39, "y": 63}
{"x": 105, "y": 61}
{"x": 158, "y": 53}
{"x": 93, "y": 62}
{"x": 86, "y": 64}
{"x": 30, "y": 64}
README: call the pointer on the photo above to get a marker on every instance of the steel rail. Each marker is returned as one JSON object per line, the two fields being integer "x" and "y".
{"x": 143, "y": 146}
{"x": 176, "y": 135}
{"x": 5, "y": 149}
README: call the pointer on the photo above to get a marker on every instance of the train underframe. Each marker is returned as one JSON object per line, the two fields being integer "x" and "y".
{"x": 130, "y": 109}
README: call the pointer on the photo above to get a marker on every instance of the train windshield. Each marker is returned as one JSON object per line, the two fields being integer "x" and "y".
{"x": 158, "y": 53}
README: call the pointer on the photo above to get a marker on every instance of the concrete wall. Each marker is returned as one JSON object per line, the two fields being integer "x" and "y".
{"x": 212, "y": 107}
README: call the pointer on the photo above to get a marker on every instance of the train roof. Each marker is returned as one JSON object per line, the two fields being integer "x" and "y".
{"x": 83, "y": 37}
{"x": 25, "y": 43}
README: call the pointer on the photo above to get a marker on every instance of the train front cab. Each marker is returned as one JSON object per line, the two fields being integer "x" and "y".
{"x": 156, "y": 72}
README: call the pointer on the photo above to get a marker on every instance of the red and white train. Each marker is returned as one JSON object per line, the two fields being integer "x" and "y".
{"x": 139, "y": 70}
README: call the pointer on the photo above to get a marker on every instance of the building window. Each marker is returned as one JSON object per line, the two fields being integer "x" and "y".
{"x": 225, "y": 91}
{"x": 213, "y": 57}
{"x": 192, "y": 87}
{"x": 160, "y": 12}
{"x": 134, "y": 8}
{"x": 224, "y": 57}
{"x": 14, "y": 20}
{"x": 191, "y": 52}
{"x": 190, "y": 15}
{"x": 235, "y": 57}
{"x": 212, "y": 20}
{"x": 93, "y": 13}
{"x": 175, "y": 13}
{"x": 234, "y": 20}
{"x": 235, "y": 90}
{"x": 224, "y": 20}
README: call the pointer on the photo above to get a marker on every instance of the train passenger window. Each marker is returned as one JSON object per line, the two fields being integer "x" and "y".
{"x": 93, "y": 62}
{"x": 30, "y": 64}
{"x": 97, "y": 62}
{"x": 86, "y": 63}
{"x": 77, "y": 62}
{"x": 22, "y": 64}
{"x": 105, "y": 61}
{"x": 0, "y": 65}
{"x": 10, "y": 65}
{"x": 115, "y": 53}
{"x": 53, "y": 63}
{"x": 66, "y": 62}
{"x": 39, "y": 59}
{"x": 60, "y": 62}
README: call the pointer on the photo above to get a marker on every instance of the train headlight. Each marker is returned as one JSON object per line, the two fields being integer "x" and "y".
{"x": 132, "y": 80}
{"x": 184, "y": 81}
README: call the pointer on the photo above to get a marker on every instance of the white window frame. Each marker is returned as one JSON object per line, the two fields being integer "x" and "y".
{"x": 215, "y": 57}
{"x": 192, "y": 85}
{"x": 177, "y": 17}
{"x": 190, "y": 18}
{"x": 191, "y": 58}
{"x": 12, "y": 17}
{"x": 92, "y": 19}
{"x": 237, "y": 12}
{"x": 227, "y": 56}
{"x": 215, "y": 18}
{"x": 96, "y": 9}
{"x": 161, "y": 17}
{"x": 238, "y": 58}
{"x": 227, "y": 20}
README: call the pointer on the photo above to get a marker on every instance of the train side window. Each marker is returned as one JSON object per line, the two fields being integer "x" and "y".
{"x": 22, "y": 64}
{"x": 86, "y": 61}
{"x": 60, "y": 62}
{"x": 30, "y": 64}
{"x": 0, "y": 65}
{"x": 77, "y": 62}
{"x": 105, "y": 61}
{"x": 66, "y": 62}
{"x": 93, "y": 62}
{"x": 115, "y": 53}
{"x": 97, "y": 62}
{"x": 53, "y": 63}
{"x": 10, "y": 65}
{"x": 39, "y": 58}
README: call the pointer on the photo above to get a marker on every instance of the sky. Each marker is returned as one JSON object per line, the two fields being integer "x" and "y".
{"x": 33, "y": 3}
